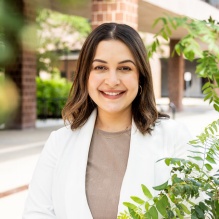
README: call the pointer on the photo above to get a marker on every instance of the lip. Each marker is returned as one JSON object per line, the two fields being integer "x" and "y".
{"x": 112, "y": 94}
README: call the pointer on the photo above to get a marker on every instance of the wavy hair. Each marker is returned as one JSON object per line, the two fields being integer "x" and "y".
{"x": 79, "y": 105}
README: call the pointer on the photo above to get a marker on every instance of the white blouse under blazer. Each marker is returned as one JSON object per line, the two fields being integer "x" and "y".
{"x": 57, "y": 190}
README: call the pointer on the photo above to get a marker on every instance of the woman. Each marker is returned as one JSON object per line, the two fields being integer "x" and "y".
{"x": 89, "y": 168}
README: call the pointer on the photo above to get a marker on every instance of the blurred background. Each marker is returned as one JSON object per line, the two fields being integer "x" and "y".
{"x": 39, "y": 46}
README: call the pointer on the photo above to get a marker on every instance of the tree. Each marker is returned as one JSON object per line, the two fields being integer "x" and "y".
{"x": 58, "y": 33}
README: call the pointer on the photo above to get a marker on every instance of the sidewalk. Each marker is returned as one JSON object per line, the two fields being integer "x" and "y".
{"x": 20, "y": 149}
{"x": 19, "y": 152}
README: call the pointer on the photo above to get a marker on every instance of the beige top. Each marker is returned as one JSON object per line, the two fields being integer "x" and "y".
{"x": 107, "y": 162}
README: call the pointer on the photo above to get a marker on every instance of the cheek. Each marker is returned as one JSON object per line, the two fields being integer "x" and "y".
{"x": 133, "y": 81}
{"x": 93, "y": 83}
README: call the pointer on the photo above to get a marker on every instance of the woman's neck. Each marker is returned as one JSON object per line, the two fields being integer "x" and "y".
{"x": 113, "y": 122}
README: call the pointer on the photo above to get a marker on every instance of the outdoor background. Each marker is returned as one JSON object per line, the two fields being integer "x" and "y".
{"x": 53, "y": 37}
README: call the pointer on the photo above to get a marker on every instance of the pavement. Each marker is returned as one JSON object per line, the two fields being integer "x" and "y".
{"x": 20, "y": 149}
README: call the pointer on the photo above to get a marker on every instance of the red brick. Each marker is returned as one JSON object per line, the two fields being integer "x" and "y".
{"x": 116, "y": 12}
{"x": 99, "y": 17}
{"x": 119, "y": 16}
{"x": 109, "y": 17}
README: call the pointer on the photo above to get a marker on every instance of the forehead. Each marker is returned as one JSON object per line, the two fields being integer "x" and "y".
{"x": 113, "y": 48}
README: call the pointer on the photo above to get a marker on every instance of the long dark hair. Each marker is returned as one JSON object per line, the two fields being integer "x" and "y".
{"x": 79, "y": 105}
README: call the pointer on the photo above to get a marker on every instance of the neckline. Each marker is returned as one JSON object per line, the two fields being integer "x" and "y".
{"x": 106, "y": 133}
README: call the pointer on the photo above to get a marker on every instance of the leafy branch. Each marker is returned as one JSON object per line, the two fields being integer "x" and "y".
{"x": 199, "y": 34}
{"x": 190, "y": 178}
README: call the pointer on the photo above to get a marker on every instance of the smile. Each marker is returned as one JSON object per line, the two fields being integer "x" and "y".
{"x": 112, "y": 93}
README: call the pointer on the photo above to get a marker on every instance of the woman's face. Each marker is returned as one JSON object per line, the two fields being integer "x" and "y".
{"x": 114, "y": 78}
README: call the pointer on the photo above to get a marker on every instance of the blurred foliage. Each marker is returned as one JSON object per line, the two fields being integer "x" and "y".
{"x": 52, "y": 95}
{"x": 199, "y": 34}
{"x": 16, "y": 31}
{"x": 9, "y": 98}
{"x": 11, "y": 22}
{"x": 58, "y": 34}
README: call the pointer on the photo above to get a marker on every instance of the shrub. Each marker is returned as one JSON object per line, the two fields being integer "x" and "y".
{"x": 51, "y": 96}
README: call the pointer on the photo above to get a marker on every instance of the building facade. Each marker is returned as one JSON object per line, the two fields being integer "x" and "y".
{"x": 140, "y": 14}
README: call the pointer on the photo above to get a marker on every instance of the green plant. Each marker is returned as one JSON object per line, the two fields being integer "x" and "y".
{"x": 51, "y": 96}
{"x": 198, "y": 176}
{"x": 188, "y": 181}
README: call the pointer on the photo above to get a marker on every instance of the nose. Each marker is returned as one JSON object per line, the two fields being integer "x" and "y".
{"x": 112, "y": 78}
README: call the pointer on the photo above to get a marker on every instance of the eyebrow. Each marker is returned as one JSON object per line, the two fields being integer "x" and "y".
{"x": 124, "y": 61}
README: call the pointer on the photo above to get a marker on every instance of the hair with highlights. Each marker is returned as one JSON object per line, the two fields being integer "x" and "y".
{"x": 79, "y": 105}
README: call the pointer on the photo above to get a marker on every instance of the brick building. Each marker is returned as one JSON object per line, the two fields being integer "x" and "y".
{"x": 140, "y": 14}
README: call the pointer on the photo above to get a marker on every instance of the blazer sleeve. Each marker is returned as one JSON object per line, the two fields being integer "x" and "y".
{"x": 39, "y": 201}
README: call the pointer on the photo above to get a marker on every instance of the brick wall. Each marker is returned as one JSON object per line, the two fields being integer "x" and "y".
{"x": 22, "y": 70}
{"x": 120, "y": 11}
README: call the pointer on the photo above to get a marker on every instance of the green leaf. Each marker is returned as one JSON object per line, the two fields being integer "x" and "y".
{"x": 208, "y": 96}
{"x": 216, "y": 107}
{"x": 154, "y": 46}
{"x": 147, "y": 216}
{"x": 167, "y": 161}
{"x": 134, "y": 214}
{"x": 146, "y": 191}
{"x": 156, "y": 22}
{"x": 178, "y": 49}
{"x": 161, "y": 187}
{"x": 199, "y": 212}
{"x": 208, "y": 167}
{"x": 146, "y": 206}
{"x": 179, "y": 213}
{"x": 170, "y": 214}
{"x": 193, "y": 142}
{"x": 207, "y": 90}
{"x": 196, "y": 158}
{"x": 162, "y": 204}
{"x": 203, "y": 206}
{"x": 137, "y": 200}
{"x": 210, "y": 159}
{"x": 153, "y": 212}
{"x": 206, "y": 85}
{"x": 164, "y": 35}
{"x": 185, "y": 209}
{"x": 130, "y": 205}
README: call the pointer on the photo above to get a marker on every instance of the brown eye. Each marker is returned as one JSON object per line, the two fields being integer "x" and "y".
{"x": 101, "y": 68}
{"x": 125, "y": 68}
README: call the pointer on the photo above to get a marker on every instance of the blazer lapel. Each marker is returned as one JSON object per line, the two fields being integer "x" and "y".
{"x": 75, "y": 184}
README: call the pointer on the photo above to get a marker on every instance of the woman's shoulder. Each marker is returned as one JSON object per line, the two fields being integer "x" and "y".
{"x": 174, "y": 128}
{"x": 169, "y": 123}
{"x": 65, "y": 131}
{"x": 60, "y": 138}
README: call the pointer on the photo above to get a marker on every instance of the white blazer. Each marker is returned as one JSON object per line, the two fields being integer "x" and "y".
{"x": 57, "y": 190}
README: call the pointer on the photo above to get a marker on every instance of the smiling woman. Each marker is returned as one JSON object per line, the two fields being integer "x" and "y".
{"x": 115, "y": 134}
{"x": 113, "y": 85}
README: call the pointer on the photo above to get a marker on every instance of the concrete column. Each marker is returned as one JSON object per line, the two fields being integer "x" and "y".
{"x": 120, "y": 11}
{"x": 22, "y": 70}
{"x": 175, "y": 77}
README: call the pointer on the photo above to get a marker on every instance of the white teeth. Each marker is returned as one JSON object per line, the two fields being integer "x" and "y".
{"x": 112, "y": 93}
